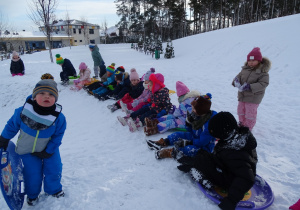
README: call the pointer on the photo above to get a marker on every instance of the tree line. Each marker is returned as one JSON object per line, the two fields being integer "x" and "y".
{"x": 179, "y": 18}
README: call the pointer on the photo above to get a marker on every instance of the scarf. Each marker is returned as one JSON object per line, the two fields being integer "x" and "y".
{"x": 199, "y": 121}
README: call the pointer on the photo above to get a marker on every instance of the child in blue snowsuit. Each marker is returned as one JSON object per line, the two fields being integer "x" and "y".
{"x": 197, "y": 137}
{"x": 42, "y": 126}
{"x": 110, "y": 70}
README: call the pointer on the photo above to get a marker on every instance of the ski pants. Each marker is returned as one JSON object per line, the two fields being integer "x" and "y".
{"x": 189, "y": 150}
{"x": 247, "y": 113}
{"x": 142, "y": 113}
{"x": 96, "y": 71}
{"x": 36, "y": 170}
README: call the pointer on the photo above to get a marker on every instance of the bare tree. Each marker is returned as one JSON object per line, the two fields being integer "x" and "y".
{"x": 5, "y": 36}
{"x": 85, "y": 29}
{"x": 104, "y": 27}
{"x": 42, "y": 14}
{"x": 69, "y": 27}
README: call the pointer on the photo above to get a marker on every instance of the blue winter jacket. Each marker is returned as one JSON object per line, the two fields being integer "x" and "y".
{"x": 31, "y": 140}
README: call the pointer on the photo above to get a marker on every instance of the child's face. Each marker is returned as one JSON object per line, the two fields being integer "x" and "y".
{"x": 15, "y": 57}
{"x": 45, "y": 99}
{"x": 134, "y": 82}
{"x": 146, "y": 81}
{"x": 150, "y": 84}
{"x": 253, "y": 63}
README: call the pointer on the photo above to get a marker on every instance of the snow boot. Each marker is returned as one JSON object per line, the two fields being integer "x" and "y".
{"x": 134, "y": 124}
{"x": 124, "y": 108}
{"x": 123, "y": 120}
{"x": 164, "y": 153}
{"x": 59, "y": 194}
{"x": 151, "y": 126}
{"x": 199, "y": 177}
{"x": 32, "y": 202}
{"x": 157, "y": 145}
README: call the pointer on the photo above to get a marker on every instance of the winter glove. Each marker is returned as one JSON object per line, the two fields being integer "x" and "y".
{"x": 3, "y": 143}
{"x": 135, "y": 103}
{"x": 186, "y": 163}
{"x": 182, "y": 142}
{"x": 244, "y": 87}
{"x": 236, "y": 83}
{"x": 43, "y": 154}
{"x": 226, "y": 204}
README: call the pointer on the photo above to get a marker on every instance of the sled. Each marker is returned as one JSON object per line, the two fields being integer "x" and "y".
{"x": 72, "y": 77}
{"x": 171, "y": 92}
{"x": 259, "y": 197}
{"x": 11, "y": 173}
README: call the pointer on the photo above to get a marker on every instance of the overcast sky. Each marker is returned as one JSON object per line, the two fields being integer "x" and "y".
{"x": 15, "y": 12}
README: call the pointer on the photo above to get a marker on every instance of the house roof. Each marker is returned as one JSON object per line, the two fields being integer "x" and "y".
{"x": 73, "y": 22}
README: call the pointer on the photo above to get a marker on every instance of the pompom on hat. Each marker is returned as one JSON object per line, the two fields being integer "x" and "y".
{"x": 223, "y": 125}
{"x": 47, "y": 76}
{"x": 121, "y": 69}
{"x": 255, "y": 54}
{"x": 134, "y": 74}
{"x": 59, "y": 59}
{"x": 111, "y": 68}
{"x": 148, "y": 73}
{"x": 181, "y": 89}
{"x": 202, "y": 104}
{"x": 82, "y": 66}
{"x": 46, "y": 85}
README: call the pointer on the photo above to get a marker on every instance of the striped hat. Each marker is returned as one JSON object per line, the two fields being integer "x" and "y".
{"x": 111, "y": 68}
{"x": 59, "y": 60}
{"x": 46, "y": 85}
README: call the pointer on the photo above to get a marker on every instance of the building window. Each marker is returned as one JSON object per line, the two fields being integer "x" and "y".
{"x": 92, "y": 41}
{"x": 79, "y": 30}
{"x": 91, "y": 31}
{"x": 74, "y": 30}
{"x": 80, "y": 41}
{"x": 75, "y": 40}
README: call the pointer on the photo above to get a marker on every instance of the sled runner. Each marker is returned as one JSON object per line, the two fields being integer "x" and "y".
{"x": 259, "y": 197}
{"x": 11, "y": 173}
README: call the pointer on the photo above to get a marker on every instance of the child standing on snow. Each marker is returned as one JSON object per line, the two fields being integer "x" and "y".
{"x": 98, "y": 61}
{"x": 197, "y": 135}
{"x": 137, "y": 89}
{"x": 67, "y": 69}
{"x": 251, "y": 82}
{"x": 42, "y": 126}
{"x": 16, "y": 65}
{"x": 232, "y": 165}
{"x": 177, "y": 119}
{"x": 159, "y": 100}
{"x": 84, "y": 73}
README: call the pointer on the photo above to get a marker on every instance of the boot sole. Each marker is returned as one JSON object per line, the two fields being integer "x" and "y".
{"x": 122, "y": 120}
{"x": 153, "y": 146}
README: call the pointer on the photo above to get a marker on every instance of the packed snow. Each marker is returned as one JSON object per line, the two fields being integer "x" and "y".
{"x": 105, "y": 166}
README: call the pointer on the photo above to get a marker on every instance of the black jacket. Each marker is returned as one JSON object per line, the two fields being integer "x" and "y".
{"x": 136, "y": 90}
{"x": 17, "y": 67}
{"x": 68, "y": 68}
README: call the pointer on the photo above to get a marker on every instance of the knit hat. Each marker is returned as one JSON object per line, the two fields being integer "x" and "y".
{"x": 202, "y": 104}
{"x": 59, "y": 60}
{"x": 91, "y": 46}
{"x": 121, "y": 69}
{"x": 46, "y": 85}
{"x": 119, "y": 75}
{"x": 111, "y": 68}
{"x": 255, "y": 54}
{"x": 158, "y": 82}
{"x": 14, "y": 53}
{"x": 134, "y": 74}
{"x": 147, "y": 74}
{"x": 82, "y": 66}
{"x": 222, "y": 125}
{"x": 181, "y": 89}
{"x": 47, "y": 76}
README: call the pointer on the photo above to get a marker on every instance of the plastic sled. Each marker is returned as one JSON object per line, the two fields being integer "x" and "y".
{"x": 11, "y": 173}
{"x": 72, "y": 77}
{"x": 259, "y": 197}
{"x": 171, "y": 92}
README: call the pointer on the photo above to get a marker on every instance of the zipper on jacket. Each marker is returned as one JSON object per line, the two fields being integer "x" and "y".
{"x": 35, "y": 140}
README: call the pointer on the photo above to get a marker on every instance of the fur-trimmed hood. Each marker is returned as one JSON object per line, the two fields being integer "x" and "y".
{"x": 264, "y": 66}
{"x": 191, "y": 94}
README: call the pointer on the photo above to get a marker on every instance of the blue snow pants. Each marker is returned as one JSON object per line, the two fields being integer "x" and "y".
{"x": 36, "y": 170}
{"x": 189, "y": 150}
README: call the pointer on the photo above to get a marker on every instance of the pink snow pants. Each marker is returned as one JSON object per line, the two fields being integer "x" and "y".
{"x": 247, "y": 113}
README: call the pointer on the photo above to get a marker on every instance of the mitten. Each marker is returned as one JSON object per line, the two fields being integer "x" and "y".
{"x": 226, "y": 204}
{"x": 245, "y": 87}
{"x": 3, "y": 142}
{"x": 43, "y": 154}
{"x": 182, "y": 142}
{"x": 186, "y": 163}
{"x": 134, "y": 103}
{"x": 236, "y": 83}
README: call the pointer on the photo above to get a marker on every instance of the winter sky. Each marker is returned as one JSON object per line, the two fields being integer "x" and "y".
{"x": 15, "y": 12}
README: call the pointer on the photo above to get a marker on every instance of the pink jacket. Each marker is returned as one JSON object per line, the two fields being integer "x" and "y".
{"x": 85, "y": 75}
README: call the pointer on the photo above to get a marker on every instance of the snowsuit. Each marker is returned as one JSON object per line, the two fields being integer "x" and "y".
{"x": 38, "y": 133}
{"x": 258, "y": 79}
{"x": 67, "y": 70}
{"x": 122, "y": 88}
{"x": 177, "y": 119}
{"x": 85, "y": 77}
{"x": 98, "y": 61}
{"x": 232, "y": 165}
{"x": 17, "y": 67}
{"x": 198, "y": 135}
{"x": 135, "y": 92}
{"x": 103, "y": 89}
{"x": 140, "y": 101}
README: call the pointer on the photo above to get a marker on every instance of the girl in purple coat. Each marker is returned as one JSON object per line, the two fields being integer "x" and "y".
{"x": 177, "y": 119}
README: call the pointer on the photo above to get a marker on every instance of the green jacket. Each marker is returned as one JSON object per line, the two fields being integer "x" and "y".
{"x": 97, "y": 58}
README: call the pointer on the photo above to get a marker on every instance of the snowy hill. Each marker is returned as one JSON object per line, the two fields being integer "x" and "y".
{"x": 107, "y": 167}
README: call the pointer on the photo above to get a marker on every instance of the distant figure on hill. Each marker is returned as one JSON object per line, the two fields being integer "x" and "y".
{"x": 16, "y": 65}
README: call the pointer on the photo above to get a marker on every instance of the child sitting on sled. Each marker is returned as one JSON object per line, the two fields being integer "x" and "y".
{"x": 137, "y": 89}
{"x": 197, "y": 135}
{"x": 232, "y": 165}
{"x": 177, "y": 118}
{"x": 85, "y": 77}
{"x": 104, "y": 87}
{"x": 42, "y": 126}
